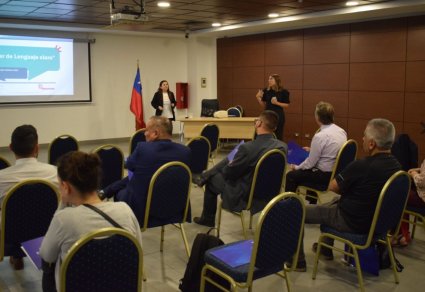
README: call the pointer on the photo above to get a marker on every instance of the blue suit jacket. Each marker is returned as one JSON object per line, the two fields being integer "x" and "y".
{"x": 143, "y": 162}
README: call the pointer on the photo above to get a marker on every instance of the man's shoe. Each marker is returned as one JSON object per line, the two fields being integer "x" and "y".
{"x": 301, "y": 266}
{"x": 203, "y": 221}
{"x": 325, "y": 253}
{"x": 198, "y": 180}
{"x": 17, "y": 263}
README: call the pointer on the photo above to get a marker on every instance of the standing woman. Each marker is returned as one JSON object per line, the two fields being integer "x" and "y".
{"x": 275, "y": 98}
{"x": 164, "y": 101}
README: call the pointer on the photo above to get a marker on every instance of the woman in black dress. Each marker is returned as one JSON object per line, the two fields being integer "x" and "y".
{"x": 275, "y": 98}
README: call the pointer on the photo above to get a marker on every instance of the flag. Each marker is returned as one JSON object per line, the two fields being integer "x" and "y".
{"x": 136, "y": 105}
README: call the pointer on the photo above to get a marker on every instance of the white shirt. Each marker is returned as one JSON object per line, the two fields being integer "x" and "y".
{"x": 324, "y": 148}
{"x": 26, "y": 168}
{"x": 166, "y": 108}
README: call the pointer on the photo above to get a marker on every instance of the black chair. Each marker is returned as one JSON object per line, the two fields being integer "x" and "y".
{"x": 138, "y": 136}
{"x": 386, "y": 221}
{"x": 26, "y": 212}
{"x": 212, "y": 133}
{"x": 200, "y": 148}
{"x": 267, "y": 181}
{"x": 277, "y": 240}
{"x": 107, "y": 260}
{"x": 168, "y": 200}
{"x": 112, "y": 164}
{"x": 4, "y": 163}
{"x": 345, "y": 156}
{"x": 209, "y": 106}
{"x": 60, "y": 146}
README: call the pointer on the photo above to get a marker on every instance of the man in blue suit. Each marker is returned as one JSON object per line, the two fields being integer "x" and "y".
{"x": 147, "y": 158}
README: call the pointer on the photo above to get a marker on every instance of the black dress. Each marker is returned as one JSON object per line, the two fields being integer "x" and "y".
{"x": 282, "y": 96}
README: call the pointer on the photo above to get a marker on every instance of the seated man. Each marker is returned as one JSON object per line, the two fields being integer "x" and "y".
{"x": 24, "y": 145}
{"x": 325, "y": 145}
{"x": 232, "y": 179}
{"x": 359, "y": 186}
{"x": 144, "y": 162}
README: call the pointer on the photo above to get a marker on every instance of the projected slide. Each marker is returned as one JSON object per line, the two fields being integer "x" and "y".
{"x": 31, "y": 66}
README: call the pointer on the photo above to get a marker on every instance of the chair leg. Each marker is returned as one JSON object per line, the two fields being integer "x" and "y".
{"x": 161, "y": 245}
{"x": 393, "y": 264}
{"x": 288, "y": 285}
{"x": 250, "y": 220}
{"x": 186, "y": 245}
{"x": 243, "y": 225}
{"x": 316, "y": 259}
{"x": 415, "y": 220}
{"x": 358, "y": 269}
{"x": 219, "y": 219}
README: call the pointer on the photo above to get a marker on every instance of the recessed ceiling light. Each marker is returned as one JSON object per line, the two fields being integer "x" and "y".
{"x": 163, "y": 4}
{"x": 352, "y": 3}
{"x": 273, "y": 15}
{"x": 216, "y": 24}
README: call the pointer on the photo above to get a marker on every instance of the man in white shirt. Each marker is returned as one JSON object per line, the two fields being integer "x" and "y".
{"x": 24, "y": 145}
{"x": 325, "y": 145}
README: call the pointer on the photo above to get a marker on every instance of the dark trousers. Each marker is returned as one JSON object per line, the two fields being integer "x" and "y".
{"x": 307, "y": 177}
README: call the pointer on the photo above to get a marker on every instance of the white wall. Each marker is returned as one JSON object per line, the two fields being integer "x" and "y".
{"x": 113, "y": 63}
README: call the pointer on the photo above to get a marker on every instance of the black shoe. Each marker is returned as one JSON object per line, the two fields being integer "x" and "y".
{"x": 325, "y": 253}
{"x": 199, "y": 180}
{"x": 203, "y": 221}
{"x": 301, "y": 266}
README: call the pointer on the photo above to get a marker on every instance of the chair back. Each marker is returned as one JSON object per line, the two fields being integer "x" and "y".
{"x": 108, "y": 259}
{"x": 268, "y": 177}
{"x": 345, "y": 156}
{"x": 234, "y": 112}
{"x": 406, "y": 152}
{"x": 240, "y": 108}
{"x": 26, "y": 211}
{"x": 278, "y": 234}
{"x": 4, "y": 163}
{"x": 200, "y": 149}
{"x": 60, "y": 146}
{"x": 391, "y": 204}
{"x": 138, "y": 136}
{"x": 168, "y": 195}
{"x": 209, "y": 106}
{"x": 212, "y": 133}
{"x": 112, "y": 160}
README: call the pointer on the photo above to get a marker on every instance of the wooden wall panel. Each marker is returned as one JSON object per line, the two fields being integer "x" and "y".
{"x": 414, "y": 130}
{"x": 339, "y": 100}
{"x": 296, "y": 102}
{"x": 414, "y": 109}
{"x": 284, "y": 53}
{"x": 248, "y": 77}
{"x": 293, "y": 127}
{"x": 326, "y": 77}
{"x": 246, "y": 98}
{"x": 248, "y": 51}
{"x": 369, "y": 105}
{"x": 377, "y": 76}
{"x": 415, "y": 76}
{"x": 325, "y": 50}
{"x": 416, "y": 44}
{"x": 291, "y": 76}
{"x": 224, "y": 52}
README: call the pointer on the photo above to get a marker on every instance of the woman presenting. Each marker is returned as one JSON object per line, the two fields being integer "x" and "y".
{"x": 164, "y": 101}
{"x": 275, "y": 98}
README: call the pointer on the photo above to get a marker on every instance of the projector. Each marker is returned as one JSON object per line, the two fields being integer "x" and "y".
{"x": 128, "y": 17}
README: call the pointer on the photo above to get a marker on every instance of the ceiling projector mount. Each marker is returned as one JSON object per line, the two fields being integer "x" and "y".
{"x": 128, "y": 14}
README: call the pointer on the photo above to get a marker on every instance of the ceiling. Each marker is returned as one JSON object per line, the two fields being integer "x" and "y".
{"x": 196, "y": 16}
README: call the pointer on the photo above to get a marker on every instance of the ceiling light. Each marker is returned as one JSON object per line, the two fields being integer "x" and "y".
{"x": 216, "y": 24}
{"x": 352, "y": 3}
{"x": 273, "y": 15}
{"x": 163, "y": 4}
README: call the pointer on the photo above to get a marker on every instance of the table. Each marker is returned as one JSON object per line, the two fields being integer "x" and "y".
{"x": 230, "y": 128}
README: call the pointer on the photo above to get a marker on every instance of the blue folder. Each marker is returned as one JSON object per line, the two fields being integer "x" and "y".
{"x": 296, "y": 154}
{"x": 31, "y": 249}
{"x": 235, "y": 255}
{"x": 232, "y": 154}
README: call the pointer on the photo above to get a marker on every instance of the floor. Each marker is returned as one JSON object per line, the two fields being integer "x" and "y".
{"x": 165, "y": 269}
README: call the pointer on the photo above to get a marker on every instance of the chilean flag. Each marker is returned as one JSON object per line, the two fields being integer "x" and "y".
{"x": 136, "y": 105}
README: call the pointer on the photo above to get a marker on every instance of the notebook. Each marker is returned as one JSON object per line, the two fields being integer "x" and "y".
{"x": 296, "y": 154}
{"x": 235, "y": 255}
{"x": 232, "y": 154}
{"x": 31, "y": 249}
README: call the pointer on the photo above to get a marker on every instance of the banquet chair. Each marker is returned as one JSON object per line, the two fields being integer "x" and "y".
{"x": 168, "y": 200}
{"x": 112, "y": 163}
{"x": 26, "y": 212}
{"x": 200, "y": 149}
{"x": 60, "y": 146}
{"x": 418, "y": 215}
{"x": 267, "y": 182}
{"x": 212, "y": 133}
{"x": 277, "y": 240}
{"x": 108, "y": 260}
{"x": 234, "y": 112}
{"x": 386, "y": 222}
{"x": 345, "y": 156}
{"x": 138, "y": 136}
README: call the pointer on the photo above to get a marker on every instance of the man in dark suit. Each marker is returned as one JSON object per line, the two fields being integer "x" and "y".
{"x": 232, "y": 179}
{"x": 147, "y": 158}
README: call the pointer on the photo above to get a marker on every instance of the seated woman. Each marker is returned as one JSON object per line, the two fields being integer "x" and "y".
{"x": 79, "y": 180}
{"x": 416, "y": 199}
